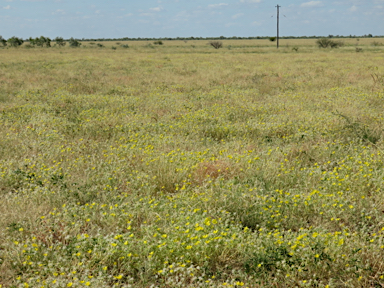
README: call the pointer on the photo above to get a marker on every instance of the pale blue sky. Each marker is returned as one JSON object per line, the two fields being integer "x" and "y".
{"x": 185, "y": 18}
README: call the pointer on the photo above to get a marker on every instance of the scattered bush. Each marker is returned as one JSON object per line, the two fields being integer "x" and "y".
{"x": 295, "y": 48}
{"x": 272, "y": 39}
{"x": 216, "y": 44}
{"x": 125, "y": 46}
{"x": 375, "y": 43}
{"x": 100, "y": 45}
{"x": 359, "y": 49}
{"x": 15, "y": 41}
{"x": 114, "y": 48}
{"x": 325, "y": 43}
{"x": 158, "y": 42}
{"x": 74, "y": 43}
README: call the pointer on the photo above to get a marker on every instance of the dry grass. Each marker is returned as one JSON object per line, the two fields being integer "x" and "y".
{"x": 210, "y": 171}
{"x": 180, "y": 165}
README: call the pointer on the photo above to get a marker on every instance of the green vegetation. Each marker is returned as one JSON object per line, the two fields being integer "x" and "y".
{"x": 187, "y": 166}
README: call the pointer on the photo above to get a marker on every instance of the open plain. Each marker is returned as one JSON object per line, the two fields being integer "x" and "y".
{"x": 179, "y": 165}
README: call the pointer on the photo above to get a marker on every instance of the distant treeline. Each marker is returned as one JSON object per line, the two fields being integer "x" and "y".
{"x": 225, "y": 38}
{"x": 73, "y": 42}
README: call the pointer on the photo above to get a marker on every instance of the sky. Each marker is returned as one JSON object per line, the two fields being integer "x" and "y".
{"x": 186, "y": 18}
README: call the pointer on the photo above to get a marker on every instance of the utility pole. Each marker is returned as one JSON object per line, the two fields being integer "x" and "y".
{"x": 278, "y": 15}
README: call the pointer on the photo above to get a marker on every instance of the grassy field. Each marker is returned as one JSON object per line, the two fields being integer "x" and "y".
{"x": 184, "y": 166}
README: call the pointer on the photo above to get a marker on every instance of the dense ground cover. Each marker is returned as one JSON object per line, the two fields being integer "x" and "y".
{"x": 182, "y": 166}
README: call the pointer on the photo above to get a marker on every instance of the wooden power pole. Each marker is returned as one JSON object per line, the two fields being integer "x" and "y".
{"x": 278, "y": 16}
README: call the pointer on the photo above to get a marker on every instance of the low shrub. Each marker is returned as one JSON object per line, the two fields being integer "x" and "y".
{"x": 325, "y": 43}
{"x": 376, "y": 43}
{"x": 216, "y": 44}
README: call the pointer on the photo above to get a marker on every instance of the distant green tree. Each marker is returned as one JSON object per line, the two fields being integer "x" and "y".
{"x": 46, "y": 41}
{"x": 40, "y": 41}
{"x": 60, "y": 41}
{"x": 3, "y": 41}
{"x": 74, "y": 43}
{"x": 32, "y": 41}
{"x": 15, "y": 41}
